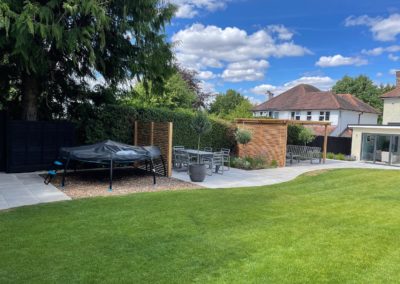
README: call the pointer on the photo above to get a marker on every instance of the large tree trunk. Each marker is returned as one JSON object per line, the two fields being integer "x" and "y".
{"x": 30, "y": 89}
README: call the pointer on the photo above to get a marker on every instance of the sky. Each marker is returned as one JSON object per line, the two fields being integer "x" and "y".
{"x": 255, "y": 46}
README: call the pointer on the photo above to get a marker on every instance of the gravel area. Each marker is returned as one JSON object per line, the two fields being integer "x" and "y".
{"x": 92, "y": 183}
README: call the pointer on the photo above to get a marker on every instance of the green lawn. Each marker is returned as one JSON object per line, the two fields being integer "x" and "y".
{"x": 339, "y": 226}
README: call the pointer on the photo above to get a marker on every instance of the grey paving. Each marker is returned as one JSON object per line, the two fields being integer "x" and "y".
{"x": 26, "y": 189}
{"x": 242, "y": 178}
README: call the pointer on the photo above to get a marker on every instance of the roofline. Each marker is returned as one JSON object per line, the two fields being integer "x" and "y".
{"x": 305, "y": 109}
{"x": 280, "y": 121}
{"x": 374, "y": 126}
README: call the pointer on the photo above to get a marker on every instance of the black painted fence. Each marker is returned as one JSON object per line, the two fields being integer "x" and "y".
{"x": 34, "y": 145}
{"x": 2, "y": 141}
{"x": 336, "y": 145}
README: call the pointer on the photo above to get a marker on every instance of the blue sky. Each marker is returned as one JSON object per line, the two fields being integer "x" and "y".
{"x": 259, "y": 45}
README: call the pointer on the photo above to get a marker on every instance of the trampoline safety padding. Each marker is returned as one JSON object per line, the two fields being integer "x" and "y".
{"x": 111, "y": 153}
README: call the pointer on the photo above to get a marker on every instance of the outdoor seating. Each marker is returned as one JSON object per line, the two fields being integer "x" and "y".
{"x": 208, "y": 149}
{"x": 299, "y": 153}
{"x": 227, "y": 157}
{"x": 183, "y": 160}
{"x": 215, "y": 163}
{"x": 175, "y": 151}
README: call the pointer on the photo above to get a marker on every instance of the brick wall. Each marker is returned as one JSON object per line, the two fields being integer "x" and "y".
{"x": 268, "y": 141}
{"x": 158, "y": 134}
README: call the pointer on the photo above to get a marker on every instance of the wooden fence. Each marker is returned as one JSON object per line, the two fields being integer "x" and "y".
{"x": 158, "y": 134}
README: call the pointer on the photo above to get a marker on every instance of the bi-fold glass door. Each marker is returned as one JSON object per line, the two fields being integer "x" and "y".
{"x": 381, "y": 148}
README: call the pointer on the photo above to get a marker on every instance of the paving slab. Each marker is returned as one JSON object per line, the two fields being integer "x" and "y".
{"x": 26, "y": 189}
{"x": 242, "y": 178}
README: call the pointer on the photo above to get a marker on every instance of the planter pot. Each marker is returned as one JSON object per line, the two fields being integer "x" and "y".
{"x": 197, "y": 172}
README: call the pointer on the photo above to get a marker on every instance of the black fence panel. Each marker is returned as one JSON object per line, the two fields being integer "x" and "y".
{"x": 336, "y": 145}
{"x": 34, "y": 145}
{"x": 3, "y": 118}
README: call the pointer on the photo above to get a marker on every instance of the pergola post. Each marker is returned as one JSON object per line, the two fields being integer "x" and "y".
{"x": 325, "y": 143}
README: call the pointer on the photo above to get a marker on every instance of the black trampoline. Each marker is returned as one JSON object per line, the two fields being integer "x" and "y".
{"x": 112, "y": 154}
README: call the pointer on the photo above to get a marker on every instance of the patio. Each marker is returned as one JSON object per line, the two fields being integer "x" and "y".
{"x": 243, "y": 178}
{"x": 26, "y": 189}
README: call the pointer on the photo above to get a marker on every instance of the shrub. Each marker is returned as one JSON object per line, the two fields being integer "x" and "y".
{"x": 330, "y": 155}
{"x": 341, "y": 157}
{"x": 299, "y": 135}
{"x": 249, "y": 163}
{"x": 201, "y": 125}
{"x": 116, "y": 122}
{"x": 243, "y": 136}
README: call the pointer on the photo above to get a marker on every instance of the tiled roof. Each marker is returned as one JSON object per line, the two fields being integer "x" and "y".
{"x": 319, "y": 130}
{"x": 307, "y": 97}
{"x": 395, "y": 93}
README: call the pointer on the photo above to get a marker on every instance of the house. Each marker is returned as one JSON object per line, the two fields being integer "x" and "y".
{"x": 380, "y": 143}
{"x": 306, "y": 102}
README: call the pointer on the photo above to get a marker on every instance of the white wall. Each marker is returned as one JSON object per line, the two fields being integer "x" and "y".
{"x": 391, "y": 110}
{"x": 339, "y": 118}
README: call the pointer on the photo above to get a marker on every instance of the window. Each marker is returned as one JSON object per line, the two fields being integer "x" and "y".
{"x": 270, "y": 114}
{"x": 295, "y": 115}
{"x": 309, "y": 115}
{"x": 276, "y": 114}
{"x": 324, "y": 115}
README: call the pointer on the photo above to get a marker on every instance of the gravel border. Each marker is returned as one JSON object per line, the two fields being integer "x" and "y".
{"x": 91, "y": 183}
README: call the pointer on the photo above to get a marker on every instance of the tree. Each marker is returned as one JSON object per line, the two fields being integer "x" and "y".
{"x": 231, "y": 103}
{"x": 363, "y": 88}
{"x": 48, "y": 47}
{"x": 299, "y": 135}
{"x": 201, "y": 125}
{"x": 243, "y": 136}
{"x": 176, "y": 94}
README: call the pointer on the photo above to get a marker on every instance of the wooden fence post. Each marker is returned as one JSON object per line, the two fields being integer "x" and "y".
{"x": 169, "y": 148}
{"x": 152, "y": 133}
{"x": 135, "y": 133}
{"x": 325, "y": 143}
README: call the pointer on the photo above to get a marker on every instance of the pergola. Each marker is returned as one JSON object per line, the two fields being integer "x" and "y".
{"x": 290, "y": 122}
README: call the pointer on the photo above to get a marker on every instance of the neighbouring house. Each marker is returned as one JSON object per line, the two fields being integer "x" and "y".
{"x": 380, "y": 143}
{"x": 306, "y": 102}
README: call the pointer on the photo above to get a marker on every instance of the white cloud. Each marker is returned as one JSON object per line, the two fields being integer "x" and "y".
{"x": 339, "y": 60}
{"x": 393, "y": 71}
{"x": 393, "y": 57}
{"x": 200, "y": 47}
{"x": 205, "y": 75}
{"x": 379, "y": 50}
{"x": 283, "y": 32}
{"x": 382, "y": 29}
{"x": 253, "y": 100}
{"x": 321, "y": 82}
{"x": 249, "y": 70}
{"x": 190, "y": 8}
{"x": 379, "y": 74}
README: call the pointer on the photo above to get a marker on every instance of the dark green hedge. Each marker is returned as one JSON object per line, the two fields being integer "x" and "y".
{"x": 116, "y": 123}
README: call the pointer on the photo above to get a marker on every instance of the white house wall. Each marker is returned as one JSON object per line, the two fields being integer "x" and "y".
{"x": 339, "y": 118}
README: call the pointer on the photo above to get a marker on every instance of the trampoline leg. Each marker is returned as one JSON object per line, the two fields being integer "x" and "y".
{"x": 65, "y": 173}
{"x": 111, "y": 175}
{"x": 153, "y": 171}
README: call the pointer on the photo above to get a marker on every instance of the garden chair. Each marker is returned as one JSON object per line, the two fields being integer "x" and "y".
{"x": 227, "y": 157}
{"x": 208, "y": 149}
{"x": 176, "y": 150}
{"x": 215, "y": 163}
{"x": 183, "y": 160}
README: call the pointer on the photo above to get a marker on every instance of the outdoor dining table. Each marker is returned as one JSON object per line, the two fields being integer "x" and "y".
{"x": 199, "y": 154}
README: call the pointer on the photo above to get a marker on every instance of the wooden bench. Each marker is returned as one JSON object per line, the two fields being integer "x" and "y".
{"x": 299, "y": 153}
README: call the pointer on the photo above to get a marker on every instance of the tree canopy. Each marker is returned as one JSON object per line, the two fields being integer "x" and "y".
{"x": 363, "y": 88}
{"x": 231, "y": 105}
{"x": 49, "y": 48}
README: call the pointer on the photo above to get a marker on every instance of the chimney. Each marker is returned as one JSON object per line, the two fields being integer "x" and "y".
{"x": 271, "y": 95}
{"x": 398, "y": 79}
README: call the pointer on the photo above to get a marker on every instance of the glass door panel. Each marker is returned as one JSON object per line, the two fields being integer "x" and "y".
{"x": 382, "y": 149}
{"x": 367, "y": 147}
{"x": 395, "y": 151}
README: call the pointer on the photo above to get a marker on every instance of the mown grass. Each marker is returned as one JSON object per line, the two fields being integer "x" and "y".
{"x": 337, "y": 226}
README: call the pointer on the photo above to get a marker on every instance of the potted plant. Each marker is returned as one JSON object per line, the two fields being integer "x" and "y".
{"x": 201, "y": 125}
{"x": 243, "y": 136}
